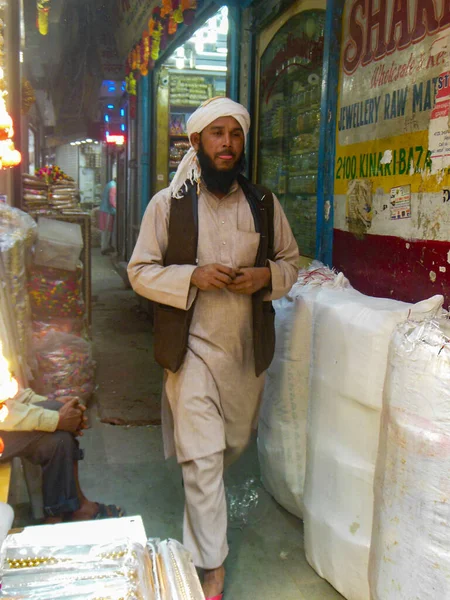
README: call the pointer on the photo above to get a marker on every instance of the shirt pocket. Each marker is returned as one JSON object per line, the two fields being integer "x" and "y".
{"x": 246, "y": 248}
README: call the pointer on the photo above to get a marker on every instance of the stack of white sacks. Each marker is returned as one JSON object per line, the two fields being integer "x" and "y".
{"x": 320, "y": 419}
{"x": 410, "y": 553}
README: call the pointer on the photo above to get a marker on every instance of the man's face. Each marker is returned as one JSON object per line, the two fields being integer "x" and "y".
{"x": 222, "y": 141}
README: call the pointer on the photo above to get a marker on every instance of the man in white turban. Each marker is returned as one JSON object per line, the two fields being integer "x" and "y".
{"x": 213, "y": 251}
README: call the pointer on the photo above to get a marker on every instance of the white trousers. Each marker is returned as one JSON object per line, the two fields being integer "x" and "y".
{"x": 205, "y": 510}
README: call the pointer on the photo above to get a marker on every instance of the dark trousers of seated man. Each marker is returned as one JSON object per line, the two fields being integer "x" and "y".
{"x": 57, "y": 454}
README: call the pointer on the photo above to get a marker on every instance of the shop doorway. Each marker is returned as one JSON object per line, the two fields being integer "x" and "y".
{"x": 195, "y": 72}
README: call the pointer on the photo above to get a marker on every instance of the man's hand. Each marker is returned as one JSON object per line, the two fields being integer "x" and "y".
{"x": 71, "y": 417}
{"x": 212, "y": 277}
{"x": 248, "y": 281}
{"x": 66, "y": 399}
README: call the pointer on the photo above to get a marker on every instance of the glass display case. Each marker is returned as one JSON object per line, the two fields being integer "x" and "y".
{"x": 289, "y": 117}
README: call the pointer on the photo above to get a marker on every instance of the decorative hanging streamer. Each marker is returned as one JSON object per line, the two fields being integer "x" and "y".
{"x": 173, "y": 26}
{"x": 131, "y": 84}
{"x": 156, "y": 44}
{"x": 28, "y": 96}
{"x": 162, "y": 25}
{"x": 43, "y": 9}
{"x": 178, "y": 15}
{"x": 189, "y": 7}
{"x": 145, "y": 53}
{"x": 166, "y": 8}
{"x": 165, "y": 35}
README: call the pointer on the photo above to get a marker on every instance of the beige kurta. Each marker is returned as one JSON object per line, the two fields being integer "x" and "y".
{"x": 215, "y": 395}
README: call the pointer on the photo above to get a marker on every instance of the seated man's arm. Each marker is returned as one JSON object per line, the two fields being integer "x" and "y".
{"x": 29, "y": 417}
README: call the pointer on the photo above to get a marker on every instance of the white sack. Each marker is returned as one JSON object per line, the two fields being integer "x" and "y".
{"x": 350, "y": 342}
{"x": 282, "y": 421}
{"x": 410, "y": 555}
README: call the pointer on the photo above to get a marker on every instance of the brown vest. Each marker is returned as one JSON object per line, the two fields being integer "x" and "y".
{"x": 172, "y": 324}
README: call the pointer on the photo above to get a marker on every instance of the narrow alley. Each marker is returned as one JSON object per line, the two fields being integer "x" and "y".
{"x": 256, "y": 192}
{"x": 125, "y": 464}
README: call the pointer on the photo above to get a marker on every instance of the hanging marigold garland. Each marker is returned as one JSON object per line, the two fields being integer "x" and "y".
{"x": 162, "y": 24}
{"x": 43, "y": 9}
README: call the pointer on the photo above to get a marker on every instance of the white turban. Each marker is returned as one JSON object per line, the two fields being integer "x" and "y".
{"x": 189, "y": 168}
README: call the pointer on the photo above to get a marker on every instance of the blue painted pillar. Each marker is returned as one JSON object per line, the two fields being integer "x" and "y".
{"x": 144, "y": 151}
{"x": 234, "y": 54}
{"x": 327, "y": 152}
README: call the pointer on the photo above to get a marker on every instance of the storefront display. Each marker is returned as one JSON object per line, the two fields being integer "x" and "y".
{"x": 290, "y": 77}
{"x": 187, "y": 92}
{"x": 193, "y": 74}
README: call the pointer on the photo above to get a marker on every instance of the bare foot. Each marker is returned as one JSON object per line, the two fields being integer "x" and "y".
{"x": 86, "y": 512}
{"x": 213, "y": 582}
{"x": 53, "y": 520}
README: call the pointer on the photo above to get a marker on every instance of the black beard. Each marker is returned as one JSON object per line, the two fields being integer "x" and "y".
{"x": 219, "y": 181}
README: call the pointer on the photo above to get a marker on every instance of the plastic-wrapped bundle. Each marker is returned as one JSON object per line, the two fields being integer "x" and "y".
{"x": 410, "y": 554}
{"x": 75, "y": 326}
{"x": 56, "y": 292}
{"x": 65, "y": 366}
{"x": 115, "y": 571}
{"x": 178, "y": 578}
{"x": 351, "y": 334}
{"x": 283, "y": 415}
{"x": 17, "y": 235}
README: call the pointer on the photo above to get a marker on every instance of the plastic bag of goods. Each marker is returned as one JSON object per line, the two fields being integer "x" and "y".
{"x": 56, "y": 292}
{"x": 17, "y": 236}
{"x": 65, "y": 366}
{"x": 117, "y": 570}
{"x": 76, "y": 326}
{"x": 59, "y": 244}
{"x": 282, "y": 419}
{"x": 350, "y": 343}
{"x": 410, "y": 554}
{"x": 174, "y": 572}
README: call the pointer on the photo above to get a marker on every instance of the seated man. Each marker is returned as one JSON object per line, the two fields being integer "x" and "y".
{"x": 44, "y": 432}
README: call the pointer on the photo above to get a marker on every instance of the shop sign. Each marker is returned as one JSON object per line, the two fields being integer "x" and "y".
{"x": 131, "y": 19}
{"x": 392, "y": 79}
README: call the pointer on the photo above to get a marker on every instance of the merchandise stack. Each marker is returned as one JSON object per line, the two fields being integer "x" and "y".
{"x": 49, "y": 192}
{"x": 122, "y": 568}
{"x": 189, "y": 90}
{"x": 64, "y": 196}
{"x": 64, "y": 359}
{"x": 35, "y": 195}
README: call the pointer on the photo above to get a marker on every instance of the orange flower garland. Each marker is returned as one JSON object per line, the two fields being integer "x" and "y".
{"x": 165, "y": 20}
